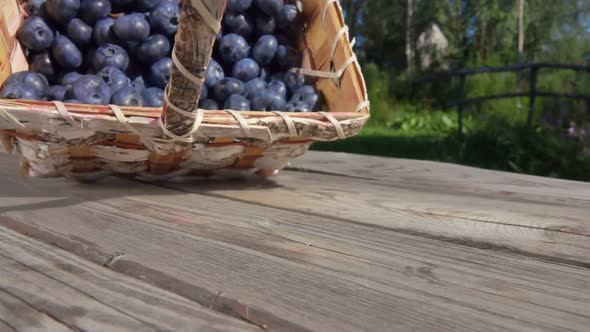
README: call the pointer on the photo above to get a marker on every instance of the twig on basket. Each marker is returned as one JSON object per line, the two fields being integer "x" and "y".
{"x": 198, "y": 25}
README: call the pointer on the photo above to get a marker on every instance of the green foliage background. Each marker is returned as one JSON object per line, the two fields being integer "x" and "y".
{"x": 409, "y": 120}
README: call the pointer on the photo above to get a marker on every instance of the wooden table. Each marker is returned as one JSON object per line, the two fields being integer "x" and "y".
{"x": 337, "y": 243}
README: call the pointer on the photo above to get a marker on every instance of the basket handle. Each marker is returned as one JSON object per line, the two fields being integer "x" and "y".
{"x": 199, "y": 23}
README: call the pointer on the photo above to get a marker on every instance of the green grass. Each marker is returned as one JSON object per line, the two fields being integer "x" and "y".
{"x": 495, "y": 135}
{"x": 496, "y": 143}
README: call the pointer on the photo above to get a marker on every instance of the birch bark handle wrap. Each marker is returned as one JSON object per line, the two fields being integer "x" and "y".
{"x": 193, "y": 47}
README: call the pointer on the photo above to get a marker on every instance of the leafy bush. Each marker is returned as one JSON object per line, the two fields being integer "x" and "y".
{"x": 406, "y": 123}
{"x": 496, "y": 144}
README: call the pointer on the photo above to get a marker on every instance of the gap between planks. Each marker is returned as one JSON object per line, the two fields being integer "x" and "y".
{"x": 499, "y": 246}
{"x": 561, "y": 235}
{"x": 546, "y": 232}
{"x": 310, "y": 272}
{"x": 501, "y": 287}
{"x": 43, "y": 288}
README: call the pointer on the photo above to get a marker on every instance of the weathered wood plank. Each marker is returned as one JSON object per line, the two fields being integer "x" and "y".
{"x": 538, "y": 229}
{"x": 293, "y": 271}
{"x": 45, "y": 288}
{"x": 367, "y": 251}
{"x": 447, "y": 178}
{"x": 18, "y": 315}
{"x": 372, "y": 310}
{"x": 5, "y": 327}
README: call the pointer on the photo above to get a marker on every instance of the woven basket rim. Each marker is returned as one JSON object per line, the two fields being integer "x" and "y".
{"x": 155, "y": 112}
{"x": 150, "y": 111}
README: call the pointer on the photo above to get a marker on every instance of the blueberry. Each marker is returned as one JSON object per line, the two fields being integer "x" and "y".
{"x": 153, "y": 97}
{"x": 254, "y": 86}
{"x": 270, "y": 7}
{"x": 65, "y": 53}
{"x": 239, "y": 5}
{"x": 69, "y": 78}
{"x": 56, "y": 92}
{"x": 164, "y": 18}
{"x": 36, "y": 8}
{"x": 233, "y": 48}
{"x": 307, "y": 95}
{"x": 93, "y": 10}
{"x": 128, "y": 97}
{"x": 294, "y": 81}
{"x": 238, "y": 23}
{"x": 287, "y": 57}
{"x": 268, "y": 100}
{"x": 43, "y": 63}
{"x": 245, "y": 70}
{"x": 214, "y": 74}
{"x": 265, "y": 50}
{"x": 297, "y": 107}
{"x": 132, "y": 27}
{"x": 79, "y": 32}
{"x": 114, "y": 78}
{"x": 35, "y": 82}
{"x": 110, "y": 55}
{"x": 278, "y": 87}
{"x": 237, "y": 103}
{"x": 73, "y": 101}
{"x": 287, "y": 16}
{"x": 204, "y": 92}
{"x": 159, "y": 74}
{"x": 62, "y": 11}
{"x": 19, "y": 91}
{"x": 89, "y": 89}
{"x": 264, "y": 73}
{"x": 153, "y": 49}
{"x": 208, "y": 104}
{"x": 35, "y": 34}
{"x": 138, "y": 83}
{"x": 101, "y": 31}
{"x": 265, "y": 25}
{"x": 228, "y": 87}
{"x": 145, "y": 5}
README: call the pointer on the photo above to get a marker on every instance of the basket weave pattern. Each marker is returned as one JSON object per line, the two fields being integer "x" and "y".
{"x": 88, "y": 142}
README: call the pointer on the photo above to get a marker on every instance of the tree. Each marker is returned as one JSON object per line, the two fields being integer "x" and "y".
{"x": 479, "y": 33}
{"x": 409, "y": 42}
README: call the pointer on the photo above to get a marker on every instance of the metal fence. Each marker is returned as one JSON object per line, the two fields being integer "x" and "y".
{"x": 532, "y": 92}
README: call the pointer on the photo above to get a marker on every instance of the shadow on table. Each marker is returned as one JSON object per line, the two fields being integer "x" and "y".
{"x": 22, "y": 194}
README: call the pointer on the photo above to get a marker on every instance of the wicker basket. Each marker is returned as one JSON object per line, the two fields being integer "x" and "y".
{"x": 87, "y": 142}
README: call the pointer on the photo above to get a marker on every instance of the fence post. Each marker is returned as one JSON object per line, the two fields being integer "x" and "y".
{"x": 532, "y": 94}
{"x": 460, "y": 104}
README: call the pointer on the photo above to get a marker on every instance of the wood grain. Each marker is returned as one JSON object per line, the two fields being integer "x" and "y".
{"x": 294, "y": 271}
{"x": 193, "y": 46}
{"x": 554, "y": 231}
{"x": 448, "y": 178}
{"x": 18, "y": 315}
{"x": 47, "y": 289}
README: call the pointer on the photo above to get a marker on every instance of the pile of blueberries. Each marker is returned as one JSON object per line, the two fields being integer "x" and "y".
{"x": 118, "y": 52}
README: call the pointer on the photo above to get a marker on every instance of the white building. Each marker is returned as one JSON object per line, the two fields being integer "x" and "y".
{"x": 432, "y": 46}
